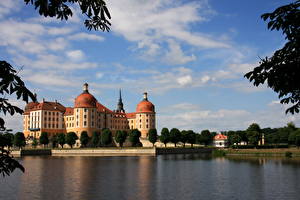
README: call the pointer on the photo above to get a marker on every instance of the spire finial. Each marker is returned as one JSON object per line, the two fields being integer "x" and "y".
{"x": 145, "y": 96}
{"x": 120, "y": 103}
{"x": 86, "y": 87}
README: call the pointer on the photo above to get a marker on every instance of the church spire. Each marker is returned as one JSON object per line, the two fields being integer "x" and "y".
{"x": 120, "y": 103}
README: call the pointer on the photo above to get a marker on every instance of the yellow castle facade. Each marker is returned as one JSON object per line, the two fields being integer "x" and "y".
{"x": 87, "y": 115}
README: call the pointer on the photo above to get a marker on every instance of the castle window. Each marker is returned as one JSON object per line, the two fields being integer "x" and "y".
{"x": 92, "y": 123}
{"x": 147, "y": 126}
{"x": 45, "y": 112}
{"x": 56, "y": 125}
{"x": 140, "y": 126}
{"x": 85, "y": 110}
{"x": 52, "y": 125}
{"x": 84, "y": 116}
{"x": 49, "y": 118}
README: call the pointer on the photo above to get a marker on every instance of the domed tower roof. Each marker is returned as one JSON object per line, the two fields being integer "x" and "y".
{"x": 85, "y": 99}
{"x": 145, "y": 105}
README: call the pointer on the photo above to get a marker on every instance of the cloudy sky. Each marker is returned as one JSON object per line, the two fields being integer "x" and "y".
{"x": 190, "y": 56}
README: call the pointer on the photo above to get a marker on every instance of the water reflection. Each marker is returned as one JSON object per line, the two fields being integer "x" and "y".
{"x": 193, "y": 176}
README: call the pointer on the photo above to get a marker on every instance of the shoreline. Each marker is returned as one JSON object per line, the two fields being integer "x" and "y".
{"x": 131, "y": 151}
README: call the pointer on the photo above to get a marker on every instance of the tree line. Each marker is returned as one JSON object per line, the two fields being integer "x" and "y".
{"x": 253, "y": 135}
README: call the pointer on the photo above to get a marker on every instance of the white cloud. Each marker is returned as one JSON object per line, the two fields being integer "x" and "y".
{"x": 192, "y": 116}
{"x": 99, "y": 75}
{"x": 176, "y": 56}
{"x": 184, "y": 80}
{"x": 75, "y": 55}
{"x": 86, "y": 36}
{"x": 6, "y": 6}
{"x": 161, "y": 22}
{"x": 59, "y": 31}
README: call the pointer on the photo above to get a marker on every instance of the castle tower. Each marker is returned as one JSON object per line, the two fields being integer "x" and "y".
{"x": 120, "y": 107}
{"x": 145, "y": 116}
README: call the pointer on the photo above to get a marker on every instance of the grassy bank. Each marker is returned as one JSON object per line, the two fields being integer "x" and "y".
{"x": 264, "y": 152}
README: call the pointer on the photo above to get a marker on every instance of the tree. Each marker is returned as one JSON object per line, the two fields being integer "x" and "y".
{"x": 281, "y": 71}
{"x": 191, "y": 137}
{"x": 97, "y": 14}
{"x": 44, "y": 138}
{"x": 253, "y": 137}
{"x": 9, "y": 139}
{"x": 134, "y": 137}
{"x": 121, "y": 137}
{"x": 206, "y": 137}
{"x": 96, "y": 11}
{"x": 175, "y": 136}
{"x": 164, "y": 136}
{"x": 61, "y": 139}
{"x": 235, "y": 139}
{"x": 54, "y": 141}
{"x": 84, "y": 138}
{"x": 34, "y": 142}
{"x": 184, "y": 137}
{"x": 106, "y": 137}
{"x": 297, "y": 140}
{"x": 19, "y": 140}
{"x": 152, "y": 136}
{"x": 71, "y": 138}
{"x": 95, "y": 138}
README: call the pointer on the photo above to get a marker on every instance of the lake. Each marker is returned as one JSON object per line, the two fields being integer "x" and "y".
{"x": 146, "y": 178}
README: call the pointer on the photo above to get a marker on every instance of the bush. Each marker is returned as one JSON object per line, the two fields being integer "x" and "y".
{"x": 288, "y": 154}
{"x": 218, "y": 153}
{"x": 106, "y": 137}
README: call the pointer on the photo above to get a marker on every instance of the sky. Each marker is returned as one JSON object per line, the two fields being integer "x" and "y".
{"x": 190, "y": 56}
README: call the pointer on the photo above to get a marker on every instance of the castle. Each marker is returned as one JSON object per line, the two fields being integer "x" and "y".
{"x": 87, "y": 115}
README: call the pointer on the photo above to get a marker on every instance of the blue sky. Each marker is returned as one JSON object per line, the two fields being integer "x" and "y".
{"x": 190, "y": 56}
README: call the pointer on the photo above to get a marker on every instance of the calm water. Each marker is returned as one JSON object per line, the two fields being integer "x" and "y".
{"x": 163, "y": 177}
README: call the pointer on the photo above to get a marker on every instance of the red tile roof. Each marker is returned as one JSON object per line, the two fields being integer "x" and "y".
{"x": 220, "y": 137}
{"x": 69, "y": 111}
{"x": 45, "y": 105}
{"x": 130, "y": 115}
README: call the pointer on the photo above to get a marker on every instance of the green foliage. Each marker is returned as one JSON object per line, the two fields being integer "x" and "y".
{"x": 184, "y": 137}
{"x": 288, "y": 154}
{"x": 134, "y": 137}
{"x": 19, "y": 139}
{"x": 34, "y": 142}
{"x": 281, "y": 71}
{"x": 253, "y": 137}
{"x": 235, "y": 139}
{"x": 44, "y": 138}
{"x": 121, "y": 137}
{"x": 54, "y": 141}
{"x": 191, "y": 138}
{"x": 8, "y": 164}
{"x": 254, "y": 127}
{"x": 84, "y": 138}
{"x": 95, "y": 138}
{"x": 206, "y": 137}
{"x": 218, "y": 153}
{"x": 11, "y": 83}
{"x": 96, "y": 11}
{"x": 106, "y": 137}
{"x": 175, "y": 136}
{"x": 165, "y": 136}
{"x": 152, "y": 136}
{"x": 61, "y": 139}
{"x": 71, "y": 138}
{"x": 6, "y": 140}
